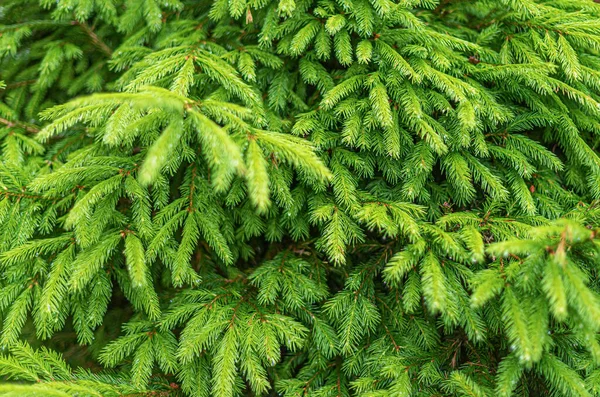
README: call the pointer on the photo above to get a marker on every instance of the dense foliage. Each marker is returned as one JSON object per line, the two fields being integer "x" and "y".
{"x": 299, "y": 198}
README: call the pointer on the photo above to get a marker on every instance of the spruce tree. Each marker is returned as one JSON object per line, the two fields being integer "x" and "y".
{"x": 299, "y": 198}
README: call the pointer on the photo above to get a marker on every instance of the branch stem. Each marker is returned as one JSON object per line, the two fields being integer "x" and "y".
{"x": 96, "y": 40}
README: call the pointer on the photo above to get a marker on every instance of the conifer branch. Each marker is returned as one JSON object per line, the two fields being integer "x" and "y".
{"x": 356, "y": 198}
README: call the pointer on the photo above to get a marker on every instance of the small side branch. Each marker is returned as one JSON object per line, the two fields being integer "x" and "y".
{"x": 19, "y": 84}
{"x": 17, "y": 124}
{"x": 96, "y": 40}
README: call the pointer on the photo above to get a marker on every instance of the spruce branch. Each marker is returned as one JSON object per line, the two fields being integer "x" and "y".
{"x": 356, "y": 198}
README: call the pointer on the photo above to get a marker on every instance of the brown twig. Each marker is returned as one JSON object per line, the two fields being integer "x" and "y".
{"x": 96, "y": 40}
{"x": 19, "y": 84}
{"x": 9, "y": 123}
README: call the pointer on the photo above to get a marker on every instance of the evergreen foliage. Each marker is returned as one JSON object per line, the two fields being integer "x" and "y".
{"x": 299, "y": 198}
